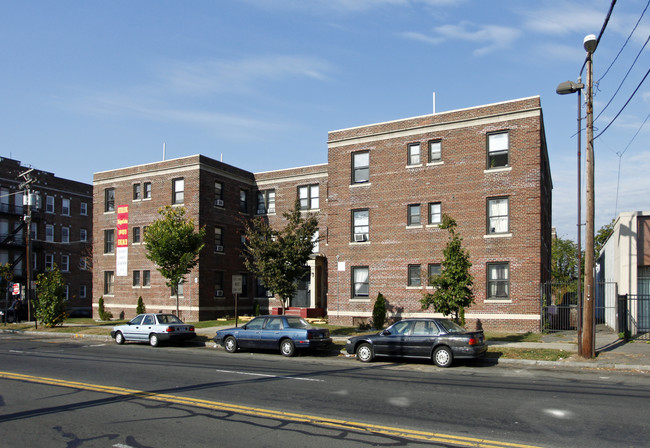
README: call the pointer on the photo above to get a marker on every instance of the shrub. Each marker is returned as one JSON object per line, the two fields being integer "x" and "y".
{"x": 140, "y": 309}
{"x": 379, "y": 312}
{"x": 50, "y": 302}
{"x": 256, "y": 309}
{"x": 103, "y": 314}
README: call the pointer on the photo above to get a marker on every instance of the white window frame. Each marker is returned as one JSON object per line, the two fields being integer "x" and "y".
{"x": 435, "y": 151}
{"x": 498, "y": 215}
{"x": 360, "y": 282}
{"x": 498, "y": 145}
{"x": 498, "y": 281}
{"x": 49, "y": 204}
{"x": 411, "y": 217}
{"x": 360, "y": 167}
{"x": 178, "y": 191}
{"x": 435, "y": 213}
{"x": 65, "y": 207}
{"x": 414, "y": 154}
{"x": 83, "y": 209}
{"x": 49, "y": 233}
{"x": 65, "y": 235}
{"x": 65, "y": 263}
{"x": 361, "y": 225}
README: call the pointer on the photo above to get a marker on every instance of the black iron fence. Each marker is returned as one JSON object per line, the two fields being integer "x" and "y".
{"x": 634, "y": 314}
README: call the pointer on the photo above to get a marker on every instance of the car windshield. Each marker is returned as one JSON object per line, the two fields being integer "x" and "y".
{"x": 297, "y": 322}
{"x": 451, "y": 326}
{"x": 168, "y": 319}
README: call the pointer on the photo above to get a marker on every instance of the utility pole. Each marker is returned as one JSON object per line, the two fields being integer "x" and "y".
{"x": 27, "y": 202}
{"x": 587, "y": 346}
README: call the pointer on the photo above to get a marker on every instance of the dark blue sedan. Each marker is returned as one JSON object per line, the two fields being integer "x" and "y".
{"x": 284, "y": 333}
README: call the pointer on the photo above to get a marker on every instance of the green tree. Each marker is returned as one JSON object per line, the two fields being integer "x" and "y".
{"x": 452, "y": 289}
{"x": 379, "y": 312}
{"x": 173, "y": 245}
{"x": 140, "y": 308}
{"x": 50, "y": 302}
{"x": 601, "y": 237}
{"x": 564, "y": 260}
{"x": 279, "y": 257}
{"x": 103, "y": 314}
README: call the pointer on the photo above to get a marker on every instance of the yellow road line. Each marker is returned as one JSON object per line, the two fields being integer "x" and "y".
{"x": 269, "y": 413}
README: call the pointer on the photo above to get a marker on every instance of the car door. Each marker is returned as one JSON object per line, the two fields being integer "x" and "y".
{"x": 143, "y": 330}
{"x": 249, "y": 335}
{"x": 391, "y": 341}
{"x": 270, "y": 334}
{"x": 419, "y": 342}
{"x": 131, "y": 329}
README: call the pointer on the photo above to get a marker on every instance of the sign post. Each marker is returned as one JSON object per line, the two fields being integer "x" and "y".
{"x": 236, "y": 290}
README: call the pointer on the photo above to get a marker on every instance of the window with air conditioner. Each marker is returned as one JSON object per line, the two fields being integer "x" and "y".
{"x": 360, "y": 225}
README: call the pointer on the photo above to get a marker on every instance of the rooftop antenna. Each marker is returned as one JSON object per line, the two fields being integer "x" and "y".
{"x": 434, "y": 102}
{"x": 164, "y": 150}
{"x": 221, "y": 157}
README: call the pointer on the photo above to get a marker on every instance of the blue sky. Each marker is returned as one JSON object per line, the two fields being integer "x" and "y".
{"x": 88, "y": 86}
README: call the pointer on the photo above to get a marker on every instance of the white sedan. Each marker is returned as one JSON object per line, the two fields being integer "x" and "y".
{"x": 154, "y": 328}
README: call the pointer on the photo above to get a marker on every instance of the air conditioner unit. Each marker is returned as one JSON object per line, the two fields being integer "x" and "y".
{"x": 261, "y": 212}
{"x": 218, "y": 202}
{"x": 271, "y": 210}
{"x": 218, "y": 293}
{"x": 218, "y": 248}
{"x": 360, "y": 237}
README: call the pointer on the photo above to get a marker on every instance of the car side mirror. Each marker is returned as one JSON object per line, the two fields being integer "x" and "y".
{"x": 244, "y": 326}
{"x": 385, "y": 333}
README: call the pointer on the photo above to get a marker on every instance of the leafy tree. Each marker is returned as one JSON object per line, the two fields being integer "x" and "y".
{"x": 173, "y": 245}
{"x": 379, "y": 312}
{"x": 140, "y": 308}
{"x": 564, "y": 260}
{"x": 50, "y": 302}
{"x": 452, "y": 289}
{"x": 278, "y": 257}
{"x": 103, "y": 314}
{"x": 601, "y": 237}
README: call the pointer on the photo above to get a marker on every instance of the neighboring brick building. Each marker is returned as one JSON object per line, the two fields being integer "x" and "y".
{"x": 379, "y": 198}
{"x": 389, "y": 184}
{"x": 61, "y": 224}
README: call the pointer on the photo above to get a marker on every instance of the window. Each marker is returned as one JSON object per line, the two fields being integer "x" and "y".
{"x": 244, "y": 285}
{"x": 265, "y": 202}
{"x": 146, "y": 279}
{"x": 433, "y": 271}
{"x": 34, "y": 231}
{"x": 65, "y": 234}
{"x": 315, "y": 240}
{"x": 137, "y": 192}
{"x": 136, "y": 235}
{"x": 498, "y": 281}
{"x": 218, "y": 239}
{"x": 83, "y": 263}
{"x": 435, "y": 214}
{"x": 65, "y": 207}
{"x": 360, "y": 167}
{"x": 414, "y": 215}
{"x": 178, "y": 191}
{"x": 83, "y": 235}
{"x": 109, "y": 282}
{"x": 49, "y": 204}
{"x": 218, "y": 284}
{"x": 260, "y": 289}
{"x": 136, "y": 278}
{"x": 218, "y": 193}
{"x": 147, "y": 190}
{"x": 82, "y": 291}
{"x": 498, "y": 145}
{"x": 414, "y": 275}
{"x": 360, "y": 225}
{"x": 66, "y": 292}
{"x": 83, "y": 209}
{"x": 497, "y": 215}
{"x": 360, "y": 286}
{"x": 308, "y": 195}
{"x": 109, "y": 241}
{"x": 435, "y": 151}
{"x": 109, "y": 200}
{"x": 49, "y": 262}
{"x": 243, "y": 201}
{"x": 414, "y": 154}
{"x": 49, "y": 233}
{"x": 65, "y": 263}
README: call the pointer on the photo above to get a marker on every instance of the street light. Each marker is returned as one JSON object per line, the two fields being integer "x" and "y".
{"x": 586, "y": 317}
{"x": 566, "y": 88}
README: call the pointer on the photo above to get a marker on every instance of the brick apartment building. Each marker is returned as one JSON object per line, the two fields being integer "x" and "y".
{"x": 379, "y": 198}
{"x": 61, "y": 225}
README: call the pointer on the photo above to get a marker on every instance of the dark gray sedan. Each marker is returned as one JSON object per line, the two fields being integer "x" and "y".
{"x": 440, "y": 340}
{"x": 284, "y": 333}
{"x": 153, "y": 328}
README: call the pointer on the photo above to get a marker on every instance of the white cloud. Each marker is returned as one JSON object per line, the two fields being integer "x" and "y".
{"x": 565, "y": 18}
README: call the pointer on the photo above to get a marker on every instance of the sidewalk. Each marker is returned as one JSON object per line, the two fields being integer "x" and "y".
{"x": 611, "y": 352}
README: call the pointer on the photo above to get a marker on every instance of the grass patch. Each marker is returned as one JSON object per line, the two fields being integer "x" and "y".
{"x": 537, "y": 354}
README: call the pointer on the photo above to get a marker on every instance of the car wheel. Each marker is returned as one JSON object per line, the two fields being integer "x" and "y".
{"x": 230, "y": 344}
{"x": 153, "y": 340}
{"x": 365, "y": 352}
{"x": 287, "y": 347}
{"x": 11, "y": 318}
{"x": 442, "y": 356}
{"x": 119, "y": 338}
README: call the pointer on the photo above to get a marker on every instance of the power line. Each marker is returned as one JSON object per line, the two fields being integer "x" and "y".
{"x": 602, "y": 30}
{"x": 624, "y": 78}
{"x": 620, "y": 157}
{"x": 626, "y": 41}
{"x": 624, "y": 106}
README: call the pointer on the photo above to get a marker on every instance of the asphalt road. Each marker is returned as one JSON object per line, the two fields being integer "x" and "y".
{"x": 71, "y": 393}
